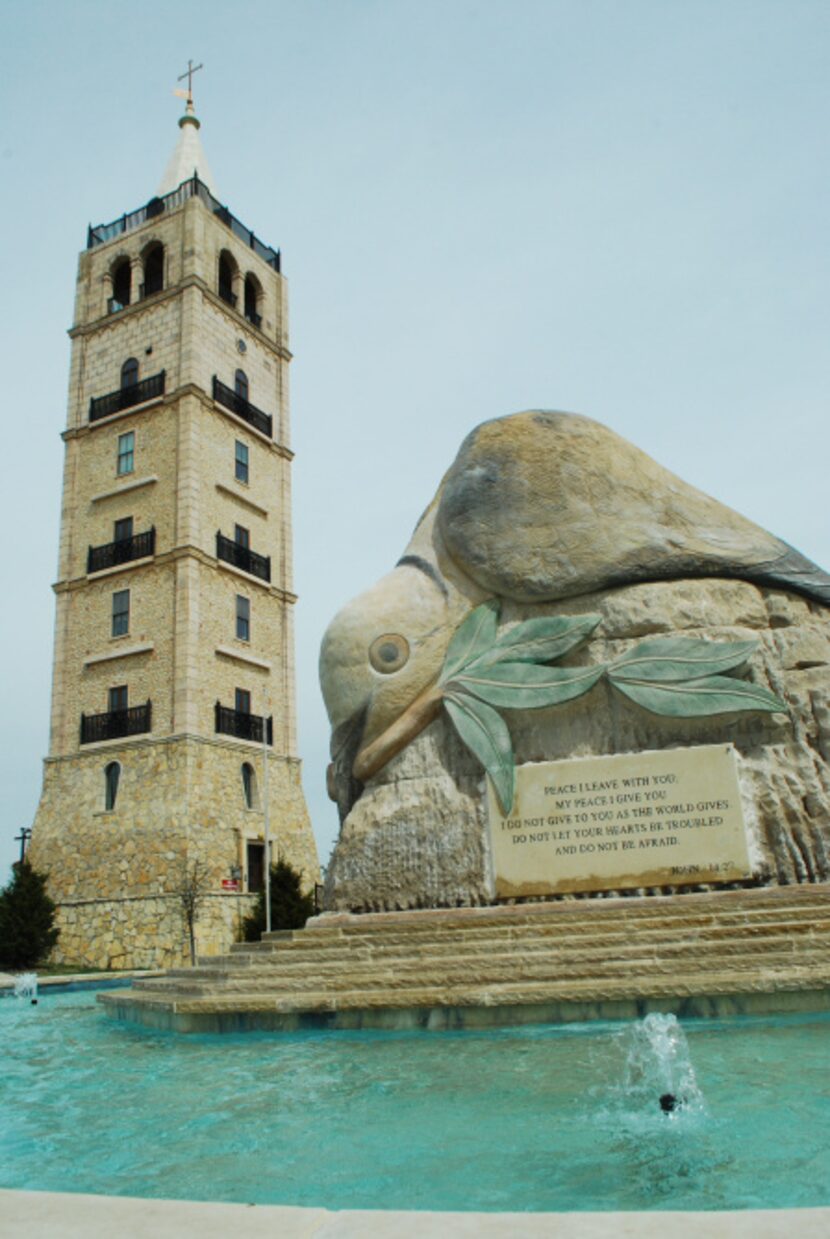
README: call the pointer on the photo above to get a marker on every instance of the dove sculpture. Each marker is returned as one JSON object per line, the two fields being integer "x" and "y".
{"x": 538, "y": 506}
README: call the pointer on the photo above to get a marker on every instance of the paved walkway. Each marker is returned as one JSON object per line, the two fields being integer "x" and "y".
{"x": 57, "y": 1215}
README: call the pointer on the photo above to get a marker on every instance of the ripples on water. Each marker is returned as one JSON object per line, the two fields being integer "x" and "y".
{"x": 536, "y": 1118}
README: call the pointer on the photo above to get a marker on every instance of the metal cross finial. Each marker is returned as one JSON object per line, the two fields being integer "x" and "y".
{"x": 191, "y": 69}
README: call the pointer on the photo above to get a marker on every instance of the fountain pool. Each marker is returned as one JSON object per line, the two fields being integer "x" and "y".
{"x": 538, "y": 1118}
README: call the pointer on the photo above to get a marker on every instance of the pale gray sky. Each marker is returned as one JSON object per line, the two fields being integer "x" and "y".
{"x": 614, "y": 208}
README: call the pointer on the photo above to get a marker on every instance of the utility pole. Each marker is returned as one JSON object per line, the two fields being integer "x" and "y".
{"x": 24, "y": 837}
{"x": 266, "y": 824}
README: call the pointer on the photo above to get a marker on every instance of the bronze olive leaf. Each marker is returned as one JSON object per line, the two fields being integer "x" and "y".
{"x": 539, "y": 640}
{"x": 485, "y": 734}
{"x": 524, "y": 686}
{"x": 717, "y": 694}
{"x": 680, "y": 659}
{"x": 472, "y": 637}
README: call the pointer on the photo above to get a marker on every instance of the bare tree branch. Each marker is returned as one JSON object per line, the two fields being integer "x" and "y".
{"x": 192, "y": 886}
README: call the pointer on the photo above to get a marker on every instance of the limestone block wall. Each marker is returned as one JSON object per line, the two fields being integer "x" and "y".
{"x": 218, "y": 805}
{"x": 99, "y": 496}
{"x": 215, "y": 351}
{"x": 234, "y": 667}
{"x": 145, "y": 932}
{"x": 113, "y": 872}
{"x": 154, "y": 324}
{"x": 418, "y": 836}
{"x": 176, "y": 799}
{"x": 92, "y": 660}
{"x": 262, "y": 503}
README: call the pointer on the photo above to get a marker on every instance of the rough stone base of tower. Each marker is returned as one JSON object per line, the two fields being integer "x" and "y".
{"x": 145, "y": 932}
{"x": 114, "y": 873}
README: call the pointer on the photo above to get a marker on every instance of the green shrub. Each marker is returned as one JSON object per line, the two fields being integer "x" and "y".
{"x": 27, "y": 916}
{"x": 290, "y": 908}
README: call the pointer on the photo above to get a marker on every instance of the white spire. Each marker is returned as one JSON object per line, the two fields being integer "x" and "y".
{"x": 188, "y": 157}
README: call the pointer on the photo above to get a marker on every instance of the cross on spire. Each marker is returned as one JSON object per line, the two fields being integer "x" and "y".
{"x": 191, "y": 69}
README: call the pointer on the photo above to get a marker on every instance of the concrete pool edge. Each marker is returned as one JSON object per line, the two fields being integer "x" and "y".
{"x": 71, "y": 982}
{"x": 64, "y": 1215}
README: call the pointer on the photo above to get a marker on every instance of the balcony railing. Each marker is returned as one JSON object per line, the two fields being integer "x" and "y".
{"x": 242, "y": 408}
{"x": 139, "y": 546}
{"x": 244, "y": 726}
{"x": 191, "y": 188}
{"x": 243, "y": 557}
{"x": 254, "y": 318}
{"x": 126, "y": 397}
{"x": 116, "y": 723}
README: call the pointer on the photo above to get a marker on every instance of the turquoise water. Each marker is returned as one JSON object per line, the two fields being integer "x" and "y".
{"x": 540, "y": 1118}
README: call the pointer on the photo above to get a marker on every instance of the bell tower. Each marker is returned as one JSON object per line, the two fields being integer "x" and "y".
{"x": 173, "y": 698}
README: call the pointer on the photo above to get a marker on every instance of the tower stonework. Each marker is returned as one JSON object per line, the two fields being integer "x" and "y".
{"x": 173, "y": 662}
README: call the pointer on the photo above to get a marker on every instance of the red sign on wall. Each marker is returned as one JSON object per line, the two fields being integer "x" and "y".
{"x": 230, "y": 884}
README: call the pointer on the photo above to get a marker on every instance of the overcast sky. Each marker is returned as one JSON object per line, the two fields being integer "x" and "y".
{"x": 609, "y": 207}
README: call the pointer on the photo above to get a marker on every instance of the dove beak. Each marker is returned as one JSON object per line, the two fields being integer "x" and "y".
{"x": 417, "y": 715}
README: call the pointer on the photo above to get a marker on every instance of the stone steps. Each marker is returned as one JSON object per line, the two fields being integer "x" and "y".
{"x": 543, "y": 961}
{"x": 510, "y": 994}
{"x": 394, "y": 981}
{"x": 786, "y": 939}
{"x": 723, "y": 904}
{"x": 399, "y": 947}
{"x": 412, "y": 942}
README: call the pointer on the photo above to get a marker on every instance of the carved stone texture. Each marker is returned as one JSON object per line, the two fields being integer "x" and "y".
{"x": 417, "y": 836}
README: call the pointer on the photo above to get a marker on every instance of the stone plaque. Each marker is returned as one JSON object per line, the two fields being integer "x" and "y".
{"x": 607, "y": 823}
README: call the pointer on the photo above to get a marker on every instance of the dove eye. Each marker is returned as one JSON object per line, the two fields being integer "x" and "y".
{"x": 389, "y": 653}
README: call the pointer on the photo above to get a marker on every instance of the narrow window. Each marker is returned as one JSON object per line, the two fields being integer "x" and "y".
{"x": 112, "y": 774}
{"x": 252, "y": 296}
{"x": 129, "y": 373}
{"x": 118, "y": 698}
{"x": 241, "y": 536}
{"x": 241, "y": 463}
{"x": 123, "y": 529}
{"x": 243, "y": 618}
{"x": 121, "y": 612}
{"x": 126, "y": 452}
{"x": 153, "y": 270}
{"x": 240, "y": 384}
{"x": 248, "y": 784}
{"x": 227, "y": 270}
{"x": 121, "y": 277}
{"x": 242, "y": 701}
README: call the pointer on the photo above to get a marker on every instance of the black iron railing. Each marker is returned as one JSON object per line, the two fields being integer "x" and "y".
{"x": 242, "y": 408}
{"x": 191, "y": 188}
{"x": 121, "y": 551}
{"x": 243, "y": 557}
{"x": 244, "y": 726}
{"x": 116, "y": 723}
{"x": 254, "y": 318}
{"x": 126, "y": 397}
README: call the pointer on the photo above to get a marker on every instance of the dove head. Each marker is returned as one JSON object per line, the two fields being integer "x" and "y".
{"x": 380, "y": 653}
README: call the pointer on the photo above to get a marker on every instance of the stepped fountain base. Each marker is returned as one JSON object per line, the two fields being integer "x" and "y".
{"x": 721, "y": 953}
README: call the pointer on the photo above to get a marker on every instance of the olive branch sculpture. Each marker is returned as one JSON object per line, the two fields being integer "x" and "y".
{"x": 678, "y": 677}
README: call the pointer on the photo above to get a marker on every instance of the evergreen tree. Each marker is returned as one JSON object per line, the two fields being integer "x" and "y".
{"x": 27, "y": 916}
{"x": 290, "y": 908}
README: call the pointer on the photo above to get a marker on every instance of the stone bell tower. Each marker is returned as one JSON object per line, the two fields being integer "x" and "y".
{"x": 173, "y": 665}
